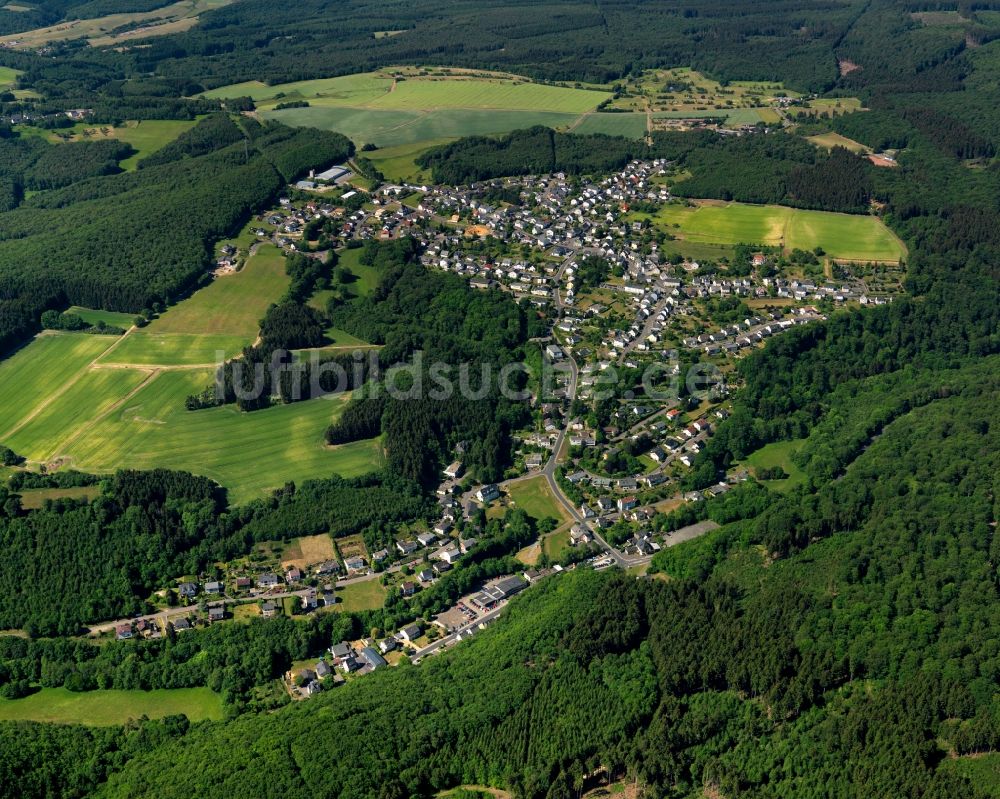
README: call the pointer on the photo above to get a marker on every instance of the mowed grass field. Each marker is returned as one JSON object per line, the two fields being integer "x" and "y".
{"x": 222, "y": 318}
{"x": 421, "y": 93}
{"x": 42, "y": 369}
{"x": 107, "y": 708}
{"x": 249, "y": 453}
{"x": 534, "y": 498}
{"x": 842, "y": 236}
{"x": 631, "y": 126}
{"x": 398, "y": 163}
{"x": 146, "y": 136}
{"x": 828, "y": 141}
{"x": 392, "y": 128}
{"x": 92, "y": 317}
{"x": 8, "y": 77}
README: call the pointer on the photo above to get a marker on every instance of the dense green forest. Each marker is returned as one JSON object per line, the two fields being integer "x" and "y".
{"x": 767, "y": 675}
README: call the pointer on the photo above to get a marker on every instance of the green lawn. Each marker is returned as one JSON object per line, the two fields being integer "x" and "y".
{"x": 364, "y": 595}
{"x": 366, "y": 277}
{"x": 534, "y": 498}
{"x": 554, "y": 544}
{"x": 249, "y": 453}
{"x": 780, "y": 454}
{"x": 112, "y": 318}
{"x": 105, "y": 708}
{"x": 37, "y": 371}
{"x": 843, "y": 236}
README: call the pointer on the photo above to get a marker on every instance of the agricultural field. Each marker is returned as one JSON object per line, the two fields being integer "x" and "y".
{"x": 249, "y": 453}
{"x": 629, "y": 125}
{"x": 842, "y": 236}
{"x": 221, "y": 318}
{"x": 8, "y": 77}
{"x": 109, "y": 707}
{"x": 535, "y": 498}
{"x": 398, "y": 163}
{"x": 392, "y": 128}
{"x": 41, "y": 370}
{"x": 87, "y": 398}
{"x": 114, "y": 28}
{"x": 418, "y": 92}
{"x": 828, "y": 141}
{"x": 231, "y": 305}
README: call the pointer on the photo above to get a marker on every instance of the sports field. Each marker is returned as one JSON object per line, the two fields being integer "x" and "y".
{"x": 106, "y": 708}
{"x": 842, "y": 236}
{"x": 249, "y": 453}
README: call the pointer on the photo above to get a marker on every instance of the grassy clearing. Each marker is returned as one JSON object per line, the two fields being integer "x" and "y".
{"x": 842, "y": 236}
{"x": 366, "y": 277}
{"x": 39, "y": 370}
{"x": 112, "y": 318}
{"x": 780, "y": 454}
{"x": 534, "y": 498}
{"x": 145, "y": 348}
{"x": 420, "y": 93}
{"x": 105, "y": 708}
{"x": 555, "y": 544}
{"x": 631, "y": 126}
{"x": 249, "y": 453}
{"x": 146, "y": 136}
{"x": 230, "y": 305}
{"x": 362, "y": 595}
{"x": 302, "y": 552}
{"x": 34, "y": 498}
{"x": 395, "y": 127}
{"x": 398, "y": 163}
{"x": 8, "y": 77}
{"x": 828, "y": 141}
{"x": 93, "y": 394}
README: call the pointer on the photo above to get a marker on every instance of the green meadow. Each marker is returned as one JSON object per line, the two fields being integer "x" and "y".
{"x": 111, "y": 318}
{"x": 778, "y": 453}
{"x": 843, "y": 236}
{"x": 632, "y": 126}
{"x": 41, "y": 370}
{"x": 398, "y": 163}
{"x": 534, "y": 498}
{"x": 249, "y": 453}
{"x": 392, "y": 127}
{"x": 107, "y": 708}
{"x": 8, "y": 77}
